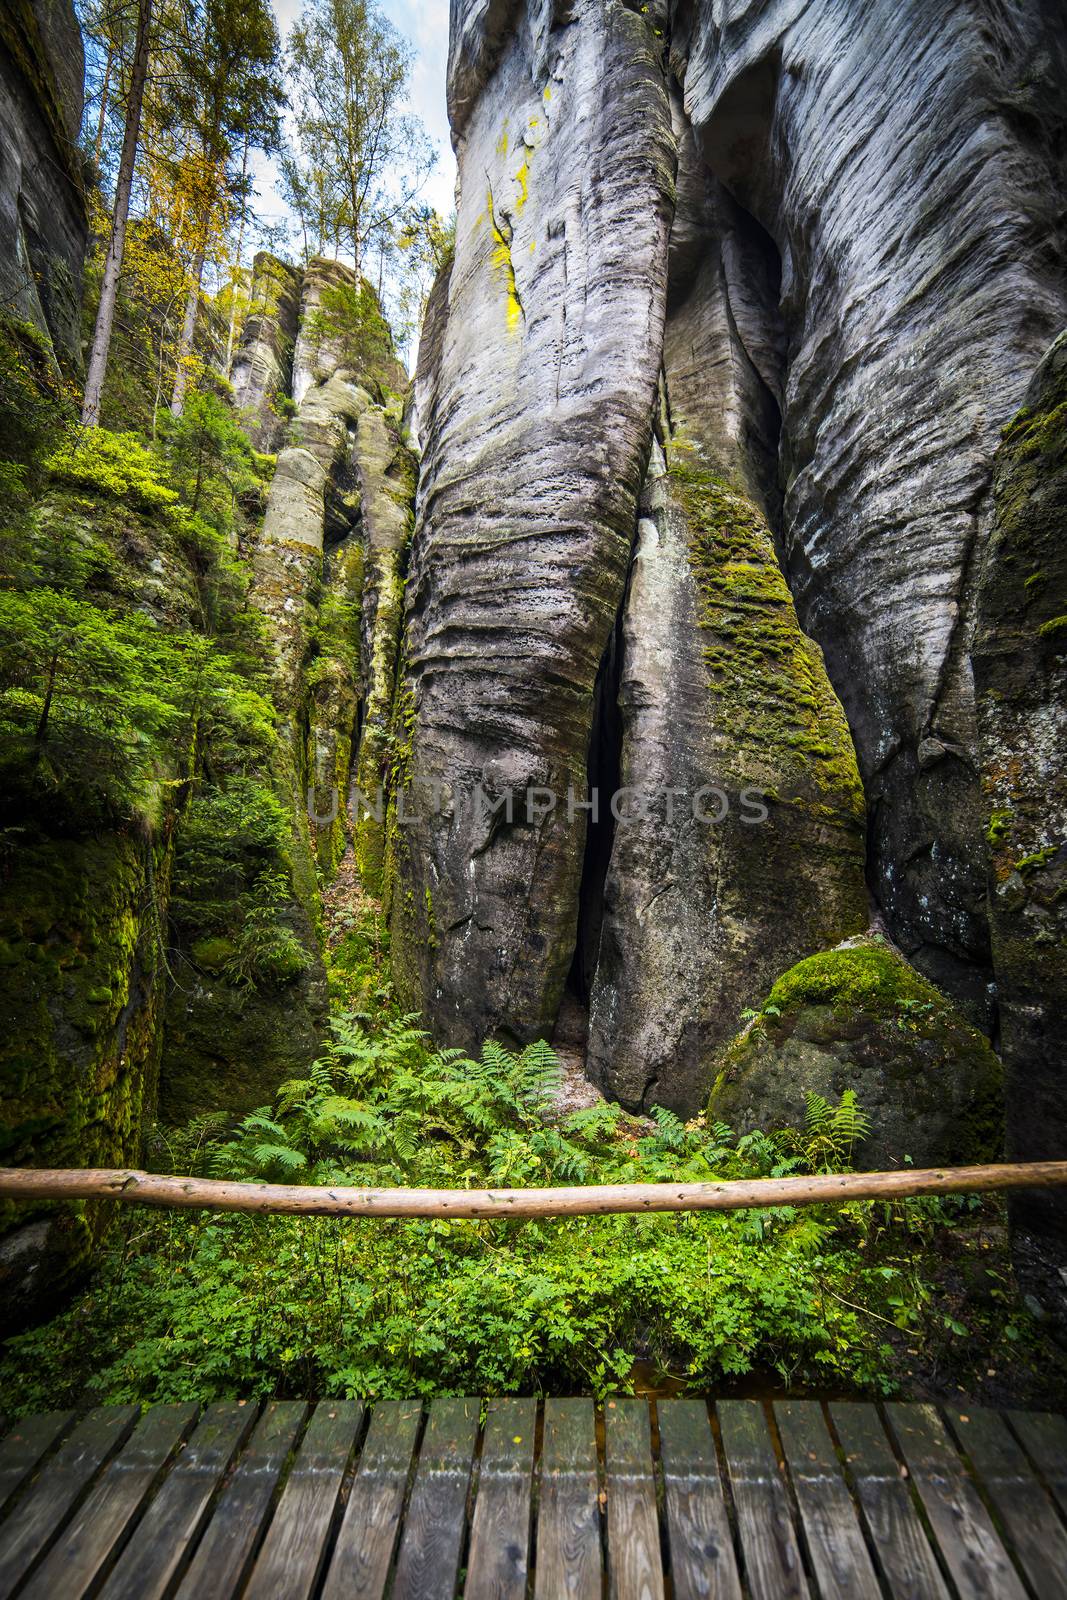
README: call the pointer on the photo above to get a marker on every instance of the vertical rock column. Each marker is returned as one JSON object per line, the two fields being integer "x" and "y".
{"x": 1020, "y": 664}
{"x": 263, "y": 365}
{"x": 535, "y": 450}
{"x": 757, "y": 856}
{"x": 902, "y": 156}
{"x": 749, "y": 852}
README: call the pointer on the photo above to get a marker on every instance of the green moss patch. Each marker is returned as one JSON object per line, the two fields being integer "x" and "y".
{"x": 866, "y": 976}
{"x": 767, "y": 675}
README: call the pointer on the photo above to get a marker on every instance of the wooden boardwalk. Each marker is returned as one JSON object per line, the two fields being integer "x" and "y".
{"x": 552, "y": 1502}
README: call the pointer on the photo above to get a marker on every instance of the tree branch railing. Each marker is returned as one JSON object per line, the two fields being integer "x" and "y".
{"x": 166, "y": 1190}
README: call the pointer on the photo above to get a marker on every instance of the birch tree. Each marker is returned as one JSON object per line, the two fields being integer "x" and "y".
{"x": 361, "y": 158}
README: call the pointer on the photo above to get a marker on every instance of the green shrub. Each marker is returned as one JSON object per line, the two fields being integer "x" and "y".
{"x": 202, "y": 1306}
{"x": 114, "y": 464}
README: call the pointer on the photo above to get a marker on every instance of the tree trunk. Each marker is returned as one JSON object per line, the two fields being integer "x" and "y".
{"x": 42, "y": 721}
{"x": 109, "y": 289}
{"x": 185, "y": 344}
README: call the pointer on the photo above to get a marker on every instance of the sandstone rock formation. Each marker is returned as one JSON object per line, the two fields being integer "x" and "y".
{"x": 534, "y": 454}
{"x": 1020, "y": 664}
{"x": 263, "y": 366}
{"x": 758, "y": 857}
{"x": 43, "y": 221}
{"x": 903, "y": 159}
{"x": 326, "y": 580}
{"x": 839, "y": 270}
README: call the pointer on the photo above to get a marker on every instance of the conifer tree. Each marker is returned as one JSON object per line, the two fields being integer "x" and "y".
{"x": 227, "y": 100}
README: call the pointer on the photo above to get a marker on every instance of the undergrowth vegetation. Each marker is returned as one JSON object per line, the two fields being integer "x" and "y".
{"x": 211, "y": 1305}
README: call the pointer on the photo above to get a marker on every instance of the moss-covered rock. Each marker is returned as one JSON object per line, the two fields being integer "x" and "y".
{"x": 1020, "y": 668}
{"x": 767, "y": 678}
{"x": 859, "y": 1017}
{"x": 81, "y": 998}
{"x": 135, "y": 614}
{"x": 721, "y": 695}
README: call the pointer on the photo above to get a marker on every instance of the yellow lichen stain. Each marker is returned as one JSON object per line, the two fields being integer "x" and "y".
{"x": 522, "y": 178}
{"x": 501, "y": 259}
{"x": 502, "y": 147}
{"x": 548, "y": 91}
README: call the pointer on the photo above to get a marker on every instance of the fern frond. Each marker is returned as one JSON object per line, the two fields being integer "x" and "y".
{"x": 819, "y": 1113}
{"x": 282, "y": 1154}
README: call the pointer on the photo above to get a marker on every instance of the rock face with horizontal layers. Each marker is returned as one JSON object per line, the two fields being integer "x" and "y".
{"x": 860, "y": 1018}
{"x": 43, "y": 221}
{"x": 864, "y": 205}
{"x": 1020, "y": 663}
{"x": 905, "y": 161}
{"x": 263, "y": 366}
{"x": 326, "y": 577}
{"x": 535, "y": 451}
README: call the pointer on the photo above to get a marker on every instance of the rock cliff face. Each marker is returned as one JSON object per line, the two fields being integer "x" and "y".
{"x": 263, "y": 367}
{"x": 327, "y": 575}
{"x": 1020, "y": 663}
{"x": 43, "y": 222}
{"x": 790, "y": 267}
{"x": 535, "y": 450}
{"x": 901, "y": 159}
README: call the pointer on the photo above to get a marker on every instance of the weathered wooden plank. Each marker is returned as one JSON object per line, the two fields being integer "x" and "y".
{"x": 976, "y": 1560}
{"x": 499, "y": 1556}
{"x": 166, "y": 1534}
{"x": 635, "y": 1565}
{"x": 432, "y": 1541}
{"x": 703, "y": 1565}
{"x": 97, "y": 1531}
{"x": 359, "y": 1566}
{"x": 770, "y": 1553}
{"x": 297, "y": 1542}
{"x": 224, "y": 1553}
{"x": 1035, "y": 1532}
{"x": 839, "y": 1559}
{"x": 25, "y": 1445}
{"x": 1044, "y": 1438}
{"x": 46, "y": 1504}
{"x": 568, "y": 1563}
{"x": 904, "y": 1553}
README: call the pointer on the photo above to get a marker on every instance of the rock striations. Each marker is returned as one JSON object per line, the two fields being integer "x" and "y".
{"x": 742, "y": 298}
{"x": 693, "y": 628}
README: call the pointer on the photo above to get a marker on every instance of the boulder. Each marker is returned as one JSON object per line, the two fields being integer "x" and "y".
{"x": 860, "y": 1017}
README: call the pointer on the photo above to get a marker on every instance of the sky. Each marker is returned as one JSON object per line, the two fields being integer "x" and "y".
{"x": 424, "y": 23}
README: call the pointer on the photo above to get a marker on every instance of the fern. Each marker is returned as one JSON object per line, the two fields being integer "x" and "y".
{"x": 282, "y": 1155}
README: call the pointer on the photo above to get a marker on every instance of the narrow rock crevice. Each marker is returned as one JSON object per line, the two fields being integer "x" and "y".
{"x": 604, "y": 779}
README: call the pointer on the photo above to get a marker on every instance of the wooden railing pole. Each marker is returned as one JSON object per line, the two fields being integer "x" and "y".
{"x": 161, "y": 1189}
